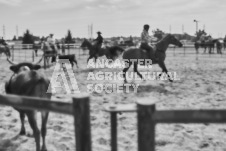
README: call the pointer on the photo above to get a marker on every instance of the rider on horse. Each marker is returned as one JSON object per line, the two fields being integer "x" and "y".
{"x": 145, "y": 38}
{"x": 202, "y": 38}
{"x": 51, "y": 43}
{"x": 2, "y": 41}
{"x": 99, "y": 41}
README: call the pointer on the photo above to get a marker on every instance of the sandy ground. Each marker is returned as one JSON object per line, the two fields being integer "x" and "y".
{"x": 201, "y": 86}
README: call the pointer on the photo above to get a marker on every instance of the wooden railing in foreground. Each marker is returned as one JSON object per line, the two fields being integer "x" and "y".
{"x": 148, "y": 117}
{"x": 79, "y": 109}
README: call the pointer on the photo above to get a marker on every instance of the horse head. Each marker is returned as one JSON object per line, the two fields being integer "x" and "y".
{"x": 85, "y": 43}
{"x": 173, "y": 40}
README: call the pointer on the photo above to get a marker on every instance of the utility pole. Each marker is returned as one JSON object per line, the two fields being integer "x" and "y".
{"x": 91, "y": 31}
{"x": 182, "y": 29}
{"x": 88, "y": 31}
{"x": 17, "y": 32}
{"x": 196, "y": 25}
{"x": 3, "y": 28}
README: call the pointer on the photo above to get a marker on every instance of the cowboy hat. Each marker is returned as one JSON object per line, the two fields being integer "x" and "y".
{"x": 98, "y": 32}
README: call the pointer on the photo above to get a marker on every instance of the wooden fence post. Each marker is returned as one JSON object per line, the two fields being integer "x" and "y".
{"x": 174, "y": 51}
{"x": 13, "y": 53}
{"x": 113, "y": 131}
{"x": 68, "y": 47}
{"x": 33, "y": 55}
{"x": 197, "y": 55}
{"x": 146, "y": 125}
{"x": 45, "y": 59}
{"x": 81, "y": 110}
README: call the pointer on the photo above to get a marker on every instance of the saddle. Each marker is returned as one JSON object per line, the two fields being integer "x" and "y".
{"x": 153, "y": 55}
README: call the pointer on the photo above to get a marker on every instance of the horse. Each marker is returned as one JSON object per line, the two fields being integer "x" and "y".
{"x": 5, "y": 49}
{"x": 224, "y": 44}
{"x": 199, "y": 44}
{"x": 205, "y": 44}
{"x": 110, "y": 52}
{"x": 48, "y": 52}
{"x": 219, "y": 45}
{"x": 36, "y": 47}
{"x": 160, "y": 54}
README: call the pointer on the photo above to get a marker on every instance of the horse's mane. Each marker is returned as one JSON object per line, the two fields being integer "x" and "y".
{"x": 163, "y": 38}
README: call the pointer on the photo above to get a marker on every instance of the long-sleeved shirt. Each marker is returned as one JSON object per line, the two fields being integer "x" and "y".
{"x": 99, "y": 39}
{"x": 145, "y": 38}
{"x": 202, "y": 37}
{"x": 50, "y": 41}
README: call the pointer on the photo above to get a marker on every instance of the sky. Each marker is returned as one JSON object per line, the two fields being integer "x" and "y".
{"x": 111, "y": 17}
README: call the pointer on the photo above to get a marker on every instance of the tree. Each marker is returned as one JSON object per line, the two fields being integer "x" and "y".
{"x": 199, "y": 33}
{"x": 68, "y": 38}
{"x": 158, "y": 34}
{"x": 28, "y": 38}
{"x": 14, "y": 38}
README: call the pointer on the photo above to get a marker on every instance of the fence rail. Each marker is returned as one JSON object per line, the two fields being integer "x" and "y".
{"x": 148, "y": 117}
{"x": 79, "y": 108}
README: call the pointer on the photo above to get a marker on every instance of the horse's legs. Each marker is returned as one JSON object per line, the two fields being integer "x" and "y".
{"x": 124, "y": 72}
{"x": 33, "y": 123}
{"x": 163, "y": 66}
{"x": 204, "y": 50}
{"x": 197, "y": 50}
{"x": 75, "y": 61}
{"x": 210, "y": 50}
{"x": 43, "y": 129}
{"x": 72, "y": 64}
{"x": 95, "y": 58}
{"x": 90, "y": 57}
{"x": 36, "y": 52}
{"x": 135, "y": 70}
{"x": 22, "y": 116}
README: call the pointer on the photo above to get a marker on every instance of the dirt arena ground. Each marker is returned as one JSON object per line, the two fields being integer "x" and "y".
{"x": 201, "y": 86}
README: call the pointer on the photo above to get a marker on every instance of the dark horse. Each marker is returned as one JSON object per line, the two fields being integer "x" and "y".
{"x": 110, "y": 52}
{"x": 205, "y": 44}
{"x": 36, "y": 47}
{"x": 160, "y": 55}
{"x": 5, "y": 49}
{"x": 219, "y": 46}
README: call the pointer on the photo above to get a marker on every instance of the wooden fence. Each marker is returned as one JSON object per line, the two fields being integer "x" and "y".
{"x": 20, "y": 47}
{"x": 79, "y": 108}
{"x": 148, "y": 117}
{"x": 29, "y": 47}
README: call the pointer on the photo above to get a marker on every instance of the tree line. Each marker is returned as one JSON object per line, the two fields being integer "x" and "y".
{"x": 29, "y": 38}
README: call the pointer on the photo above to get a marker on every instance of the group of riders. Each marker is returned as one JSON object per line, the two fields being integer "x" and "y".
{"x": 204, "y": 38}
{"x": 145, "y": 40}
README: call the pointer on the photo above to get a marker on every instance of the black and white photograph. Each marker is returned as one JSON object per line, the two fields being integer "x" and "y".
{"x": 112, "y": 75}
